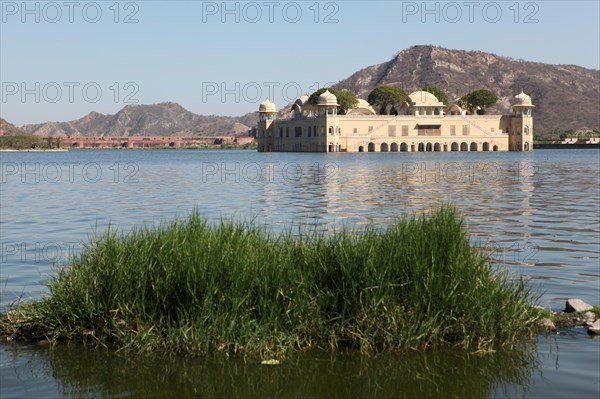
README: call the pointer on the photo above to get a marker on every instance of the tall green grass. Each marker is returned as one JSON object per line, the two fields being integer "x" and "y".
{"x": 188, "y": 286}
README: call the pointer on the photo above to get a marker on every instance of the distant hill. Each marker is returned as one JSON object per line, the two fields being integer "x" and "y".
{"x": 8, "y": 129}
{"x": 565, "y": 96}
{"x": 164, "y": 119}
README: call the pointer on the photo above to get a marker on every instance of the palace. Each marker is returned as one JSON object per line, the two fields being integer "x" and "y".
{"x": 423, "y": 124}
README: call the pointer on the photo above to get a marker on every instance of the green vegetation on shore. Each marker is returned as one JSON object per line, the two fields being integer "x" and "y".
{"x": 209, "y": 147}
{"x": 190, "y": 287}
{"x": 557, "y": 136}
{"x": 29, "y": 142}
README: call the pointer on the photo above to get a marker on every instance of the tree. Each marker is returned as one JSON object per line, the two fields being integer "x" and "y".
{"x": 438, "y": 93}
{"x": 478, "y": 100}
{"x": 345, "y": 98}
{"x": 385, "y": 95}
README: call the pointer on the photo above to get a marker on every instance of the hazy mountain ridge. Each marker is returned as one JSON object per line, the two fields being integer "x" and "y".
{"x": 164, "y": 119}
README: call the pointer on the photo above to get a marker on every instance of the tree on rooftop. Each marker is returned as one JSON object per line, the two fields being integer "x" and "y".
{"x": 438, "y": 93}
{"x": 345, "y": 98}
{"x": 478, "y": 100}
{"x": 384, "y": 96}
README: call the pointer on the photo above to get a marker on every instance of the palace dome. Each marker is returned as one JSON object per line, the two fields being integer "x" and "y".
{"x": 302, "y": 105}
{"x": 302, "y": 100}
{"x": 423, "y": 98}
{"x": 267, "y": 106}
{"x": 362, "y": 107}
{"x": 327, "y": 99}
{"x": 362, "y": 103}
{"x": 523, "y": 100}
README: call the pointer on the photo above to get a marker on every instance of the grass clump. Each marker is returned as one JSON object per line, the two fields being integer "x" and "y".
{"x": 187, "y": 286}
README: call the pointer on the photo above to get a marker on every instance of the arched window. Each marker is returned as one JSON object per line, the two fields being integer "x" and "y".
{"x": 473, "y": 146}
{"x": 403, "y": 147}
{"x": 394, "y": 147}
{"x": 486, "y": 146}
{"x": 384, "y": 147}
{"x": 371, "y": 147}
{"x": 454, "y": 147}
{"x": 437, "y": 147}
{"x": 464, "y": 146}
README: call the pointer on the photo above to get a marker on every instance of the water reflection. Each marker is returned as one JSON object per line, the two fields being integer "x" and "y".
{"x": 83, "y": 373}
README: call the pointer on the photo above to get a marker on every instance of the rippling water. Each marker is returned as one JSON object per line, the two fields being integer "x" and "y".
{"x": 538, "y": 213}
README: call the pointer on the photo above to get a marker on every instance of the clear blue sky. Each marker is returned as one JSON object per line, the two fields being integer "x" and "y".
{"x": 60, "y": 60}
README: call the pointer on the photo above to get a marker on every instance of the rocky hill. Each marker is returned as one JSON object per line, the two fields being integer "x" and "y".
{"x": 164, "y": 119}
{"x": 8, "y": 129}
{"x": 566, "y": 96}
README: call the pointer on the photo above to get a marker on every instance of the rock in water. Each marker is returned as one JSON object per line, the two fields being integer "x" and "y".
{"x": 594, "y": 328}
{"x": 589, "y": 317}
{"x": 577, "y": 305}
{"x": 547, "y": 324}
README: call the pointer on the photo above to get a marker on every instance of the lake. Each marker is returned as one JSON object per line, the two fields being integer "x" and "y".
{"x": 537, "y": 213}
